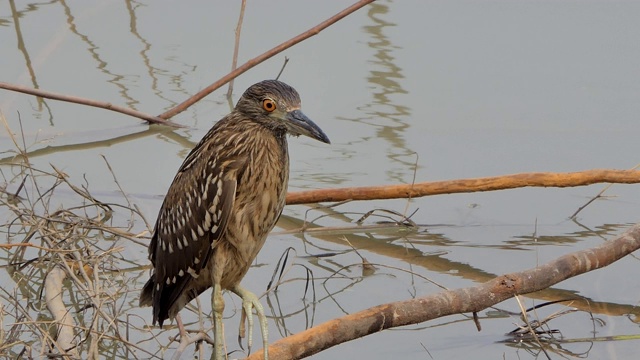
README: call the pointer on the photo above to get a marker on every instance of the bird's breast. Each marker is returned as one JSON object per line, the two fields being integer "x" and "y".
{"x": 260, "y": 198}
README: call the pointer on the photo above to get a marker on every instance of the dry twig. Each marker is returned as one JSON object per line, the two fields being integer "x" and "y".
{"x": 236, "y": 47}
{"x": 89, "y": 102}
{"x": 598, "y": 196}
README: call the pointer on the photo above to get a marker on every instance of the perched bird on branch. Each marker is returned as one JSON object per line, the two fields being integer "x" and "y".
{"x": 224, "y": 200}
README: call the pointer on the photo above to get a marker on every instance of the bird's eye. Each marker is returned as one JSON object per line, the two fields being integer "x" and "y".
{"x": 268, "y": 105}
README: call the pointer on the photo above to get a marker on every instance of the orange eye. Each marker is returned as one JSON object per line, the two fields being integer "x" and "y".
{"x": 269, "y": 105}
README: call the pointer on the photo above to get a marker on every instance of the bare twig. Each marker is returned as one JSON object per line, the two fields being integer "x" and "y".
{"x": 531, "y": 330}
{"x": 236, "y": 47}
{"x": 69, "y": 246}
{"x": 9, "y": 246}
{"x": 286, "y": 60}
{"x": 504, "y": 182}
{"x": 89, "y": 102}
{"x": 599, "y": 195}
{"x": 257, "y": 60}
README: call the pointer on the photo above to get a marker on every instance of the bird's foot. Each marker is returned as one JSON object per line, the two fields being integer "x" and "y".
{"x": 186, "y": 339}
{"x": 249, "y": 302}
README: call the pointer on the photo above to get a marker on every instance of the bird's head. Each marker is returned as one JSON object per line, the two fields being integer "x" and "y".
{"x": 277, "y": 106}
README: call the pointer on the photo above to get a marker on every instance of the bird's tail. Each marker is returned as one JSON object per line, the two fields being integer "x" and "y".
{"x": 146, "y": 296}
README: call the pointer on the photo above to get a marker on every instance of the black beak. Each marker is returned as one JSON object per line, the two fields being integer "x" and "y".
{"x": 299, "y": 124}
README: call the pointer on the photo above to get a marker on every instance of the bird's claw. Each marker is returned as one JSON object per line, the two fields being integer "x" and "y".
{"x": 249, "y": 303}
{"x": 246, "y": 314}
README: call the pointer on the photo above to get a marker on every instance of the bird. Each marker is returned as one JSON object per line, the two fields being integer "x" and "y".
{"x": 224, "y": 200}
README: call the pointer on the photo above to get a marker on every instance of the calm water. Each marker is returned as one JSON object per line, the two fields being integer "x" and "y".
{"x": 432, "y": 89}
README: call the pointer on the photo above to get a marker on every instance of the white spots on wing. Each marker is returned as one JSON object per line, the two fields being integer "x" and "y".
{"x": 194, "y": 236}
{"x": 158, "y": 287}
{"x": 179, "y": 244}
{"x": 200, "y": 231}
{"x": 205, "y": 188}
{"x": 196, "y": 260}
{"x": 168, "y": 281}
{"x": 185, "y": 241}
{"x": 192, "y": 272}
{"x": 164, "y": 245}
{"x": 181, "y": 273}
{"x": 216, "y": 203}
{"x": 207, "y": 220}
{"x": 179, "y": 212}
{"x": 170, "y": 247}
{"x": 174, "y": 280}
{"x": 214, "y": 229}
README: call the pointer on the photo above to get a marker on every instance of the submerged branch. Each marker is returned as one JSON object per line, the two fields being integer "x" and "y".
{"x": 542, "y": 179}
{"x": 471, "y": 299}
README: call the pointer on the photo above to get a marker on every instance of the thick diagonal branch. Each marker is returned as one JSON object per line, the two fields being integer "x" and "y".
{"x": 471, "y": 299}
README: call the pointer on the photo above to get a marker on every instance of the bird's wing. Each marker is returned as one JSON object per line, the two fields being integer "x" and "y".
{"x": 192, "y": 219}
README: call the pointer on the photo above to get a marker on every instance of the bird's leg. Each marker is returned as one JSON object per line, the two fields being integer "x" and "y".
{"x": 201, "y": 325}
{"x": 250, "y": 301}
{"x": 186, "y": 340}
{"x": 217, "y": 304}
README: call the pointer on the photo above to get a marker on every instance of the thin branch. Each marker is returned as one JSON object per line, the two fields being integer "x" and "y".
{"x": 89, "y": 102}
{"x": 286, "y": 60}
{"x": 465, "y": 300}
{"x": 546, "y": 179}
{"x": 257, "y": 60}
{"x": 9, "y": 246}
{"x": 599, "y": 195}
{"x": 236, "y": 47}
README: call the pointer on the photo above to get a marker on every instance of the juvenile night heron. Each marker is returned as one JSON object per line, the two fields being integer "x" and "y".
{"x": 226, "y": 197}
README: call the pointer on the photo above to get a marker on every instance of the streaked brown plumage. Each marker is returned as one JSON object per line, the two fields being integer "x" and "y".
{"x": 224, "y": 200}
